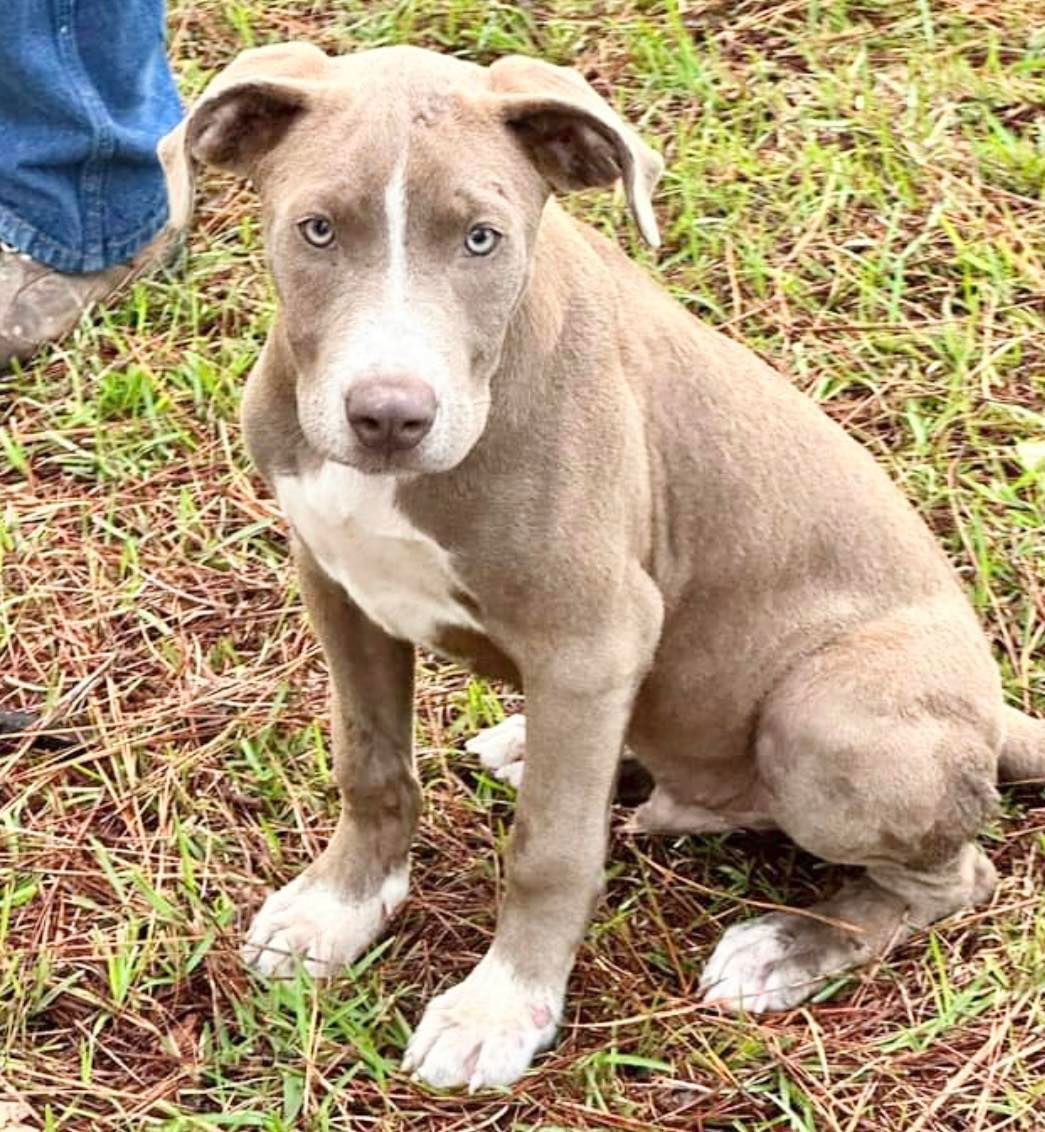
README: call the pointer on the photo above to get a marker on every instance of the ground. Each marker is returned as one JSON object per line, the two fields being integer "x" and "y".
{"x": 855, "y": 190}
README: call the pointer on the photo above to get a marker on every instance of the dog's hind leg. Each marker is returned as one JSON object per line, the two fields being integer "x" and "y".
{"x": 878, "y": 752}
{"x": 776, "y": 961}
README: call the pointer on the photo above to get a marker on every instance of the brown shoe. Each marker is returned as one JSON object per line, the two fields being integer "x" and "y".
{"x": 39, "y": 305}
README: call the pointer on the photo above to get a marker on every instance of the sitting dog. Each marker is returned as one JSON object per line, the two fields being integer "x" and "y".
{"x": 494, "y": 436}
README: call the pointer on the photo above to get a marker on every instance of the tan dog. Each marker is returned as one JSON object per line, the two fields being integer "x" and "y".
{"x": 494, "y": 436}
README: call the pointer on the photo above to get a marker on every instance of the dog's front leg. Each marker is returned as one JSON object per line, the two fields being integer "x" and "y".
{"x": 333, "y": 910}
{"x": 487, "y": 1029}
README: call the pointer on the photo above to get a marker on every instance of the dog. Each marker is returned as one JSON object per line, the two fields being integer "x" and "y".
{"x": 495, "y": 436}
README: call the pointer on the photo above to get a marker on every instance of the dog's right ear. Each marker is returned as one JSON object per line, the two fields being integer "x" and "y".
{"x": 242, "y": 114}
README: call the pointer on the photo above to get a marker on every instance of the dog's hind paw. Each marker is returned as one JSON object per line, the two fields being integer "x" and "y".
{"x": 769, "y": 963}
{"x": 312, "y": 924}
{"x": 484, "y": 1032}
{"x": 502, "y": 748}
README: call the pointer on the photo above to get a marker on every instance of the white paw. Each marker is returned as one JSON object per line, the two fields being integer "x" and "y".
{"x": 312, "y": 923}
{"x": 501, "y": 749}
{"x": 483, "y": 1032}
{"x": 760, "y": 966}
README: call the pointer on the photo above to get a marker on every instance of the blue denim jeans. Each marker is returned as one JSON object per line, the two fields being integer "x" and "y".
{"x": 85, "y": 94}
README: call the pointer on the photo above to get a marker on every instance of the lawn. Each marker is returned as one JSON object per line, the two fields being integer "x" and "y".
{"x": 857, "y": 190}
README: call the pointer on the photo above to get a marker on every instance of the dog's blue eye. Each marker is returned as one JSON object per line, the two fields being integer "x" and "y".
{"x": 317, "y": 230}
{"x": 481, "y": 239}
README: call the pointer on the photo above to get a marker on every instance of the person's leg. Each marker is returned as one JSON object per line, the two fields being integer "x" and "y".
{"x": 85, "y": 95}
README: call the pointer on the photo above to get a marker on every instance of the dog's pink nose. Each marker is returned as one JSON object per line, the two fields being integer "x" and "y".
{"x": 391, "y": 413}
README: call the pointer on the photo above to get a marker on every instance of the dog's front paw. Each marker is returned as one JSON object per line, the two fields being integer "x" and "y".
{"x": 483, "y": 1032}
{"x": 502, "y": 749}
{"x": 310, "y": 922}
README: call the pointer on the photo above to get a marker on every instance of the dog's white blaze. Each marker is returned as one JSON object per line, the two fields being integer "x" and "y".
{"x": 401, "y": 579}
{"x": 395, "y": 213}
{"x": 390, "y": 336}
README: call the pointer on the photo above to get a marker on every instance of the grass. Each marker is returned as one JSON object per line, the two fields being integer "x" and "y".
{"x": 856, "y": 190}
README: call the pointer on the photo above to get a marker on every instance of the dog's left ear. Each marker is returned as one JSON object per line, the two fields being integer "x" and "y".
{"x": 574, "y": 138}
{"x": 241, "y": 115}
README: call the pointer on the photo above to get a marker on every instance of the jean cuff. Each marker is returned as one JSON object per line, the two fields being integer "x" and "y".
{"x": 25, "y": 238}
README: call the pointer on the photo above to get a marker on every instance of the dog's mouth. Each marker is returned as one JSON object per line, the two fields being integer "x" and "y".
{"x": 381, "y": 463}
{"x": 373, "y": 462}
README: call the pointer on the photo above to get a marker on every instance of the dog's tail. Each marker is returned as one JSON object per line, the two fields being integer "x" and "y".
{"x": 1023, "y": 753}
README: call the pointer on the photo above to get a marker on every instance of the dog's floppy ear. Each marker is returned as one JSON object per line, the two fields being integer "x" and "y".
{"x": 574, "y": 138}
{"x": 241, "y": 115}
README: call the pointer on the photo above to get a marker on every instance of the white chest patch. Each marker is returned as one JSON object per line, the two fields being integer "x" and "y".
{"x": 400, "y": 577}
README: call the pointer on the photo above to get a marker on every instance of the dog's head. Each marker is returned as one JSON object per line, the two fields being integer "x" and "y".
{"x": 402, "y": 193}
